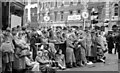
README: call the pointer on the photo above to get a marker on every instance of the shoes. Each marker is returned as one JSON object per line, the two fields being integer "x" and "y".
{"x": 105, "y": 51}
{"x": 63, "y": 68}
{"x": 69, "y": 65}
{"x": 102, "y": 60}
{"x": 74, "y": 65}
{"x": 94, "y": 61}
{"x": 89, "y": 63}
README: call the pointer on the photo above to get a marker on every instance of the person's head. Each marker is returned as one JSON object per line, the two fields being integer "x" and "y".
{"x": 40, "y": 53}
{"x": 20, "y": 34}
{"x": 70, "y": 37}
{"x": 59, "y": 51}
{"x": 8, "y": 30}
{"x": 45, "y": 52}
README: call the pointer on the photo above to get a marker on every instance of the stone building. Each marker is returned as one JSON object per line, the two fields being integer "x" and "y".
{"x": 7, "y": 9}
{"x": 59, "y": 12}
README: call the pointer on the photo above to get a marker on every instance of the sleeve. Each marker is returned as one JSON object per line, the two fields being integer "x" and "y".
{"x": 1, "y": 47}
{"x": 41, "y": 60}
{"x": 28, "y": 62}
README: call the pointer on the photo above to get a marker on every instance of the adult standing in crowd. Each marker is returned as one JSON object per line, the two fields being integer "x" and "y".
{"x": 20, "y": 48}
{"x": 94, "y": 47}
{"x": 7, "y": 49}
{"x": 88, "y": 44}
{"x": 70, "y": 57}
{"x": 110, "y": 42}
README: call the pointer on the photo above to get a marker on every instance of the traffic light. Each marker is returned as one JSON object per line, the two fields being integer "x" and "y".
{"x": 94, "y": 17}
{"x": 94, "y": 21}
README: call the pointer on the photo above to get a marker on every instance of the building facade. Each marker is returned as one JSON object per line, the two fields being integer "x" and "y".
{"x": 7, "y": 9}
{"x": 59, "y": 12}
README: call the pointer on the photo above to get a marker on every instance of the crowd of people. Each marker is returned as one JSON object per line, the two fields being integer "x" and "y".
{"x": 46, "y": 49}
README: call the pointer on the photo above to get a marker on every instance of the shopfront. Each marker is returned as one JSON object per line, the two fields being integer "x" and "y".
{"x": 11, "y": 14}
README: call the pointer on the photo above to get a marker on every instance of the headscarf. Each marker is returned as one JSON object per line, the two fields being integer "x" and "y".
{"x": 40, "y": 53}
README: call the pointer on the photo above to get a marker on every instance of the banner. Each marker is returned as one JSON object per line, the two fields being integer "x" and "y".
{"x": 74, "y": 17}
{"x": 15, "y": 21}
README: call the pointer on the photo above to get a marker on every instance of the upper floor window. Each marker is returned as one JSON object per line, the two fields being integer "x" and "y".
{"x": 71, "y": 2}
{"x": 33, "y": 1}
{"x": 71, "y": 12}
{"x": 62, "y": 15}
{"x": 55, "y": 13}
{"x": 62, "y": 3}
{"x": 56, "y": 4}
{"x": 79, "y": 2}
{"x": 116, "y": 10}
{"x": 78, "y": 11}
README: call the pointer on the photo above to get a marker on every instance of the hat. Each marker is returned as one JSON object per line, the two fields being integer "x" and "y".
{"x": 8, "y": 29}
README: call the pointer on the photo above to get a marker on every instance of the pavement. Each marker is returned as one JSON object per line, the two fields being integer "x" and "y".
{"x": 110, "y": 65}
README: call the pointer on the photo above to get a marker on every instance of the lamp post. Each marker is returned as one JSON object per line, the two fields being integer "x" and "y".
{"x": 85, "y": 13}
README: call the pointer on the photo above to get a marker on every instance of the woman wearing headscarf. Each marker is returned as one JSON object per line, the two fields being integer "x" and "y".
{"x": 81, "y": 50}
{"x": 20, "y": 52}
{"x": 70, "y": 57}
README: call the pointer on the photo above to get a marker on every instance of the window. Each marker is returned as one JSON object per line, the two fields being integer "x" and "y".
{"x": 26, "y": 15}
{"x": 78, "y": 11}
{"x": 116, "y": 10}
{"x": 62, "y": 3}
{"x": 71, "y": 12}
{"x": 56, "y": 4}
{"x": 79, "y": 1}
{"x": 43, "y": 5}
{"x": 55, "y": 13}
{"x": 62, "y": 15}
{"x": 33, "y": 17}
{"x": 51, "y": 4}
{"x": 71, "y": 3}
{"x": 43, "y": 14}
{"x": 33, "y": 1}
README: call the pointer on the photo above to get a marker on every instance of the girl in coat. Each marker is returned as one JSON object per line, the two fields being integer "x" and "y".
{"x": 60, "y": 58}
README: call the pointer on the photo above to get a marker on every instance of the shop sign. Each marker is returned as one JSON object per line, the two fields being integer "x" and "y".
{"x": 74, "y": 17}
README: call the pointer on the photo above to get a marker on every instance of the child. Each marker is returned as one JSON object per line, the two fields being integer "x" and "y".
{"x": 60, "y": 58}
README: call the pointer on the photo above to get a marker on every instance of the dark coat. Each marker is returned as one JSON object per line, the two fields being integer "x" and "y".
{"x": 110, "y": 41}
{"x": 19, "y": 62}
{"x": 94, "y": 47}
{"x": 117, "y": 40}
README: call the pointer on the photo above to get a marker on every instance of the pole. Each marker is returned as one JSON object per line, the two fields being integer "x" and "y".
{"x": 9, "y": 17}
{"x": 84, "y": 24}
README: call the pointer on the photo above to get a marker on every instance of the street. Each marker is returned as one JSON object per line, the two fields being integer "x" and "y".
{"x": 110, "y": 65}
